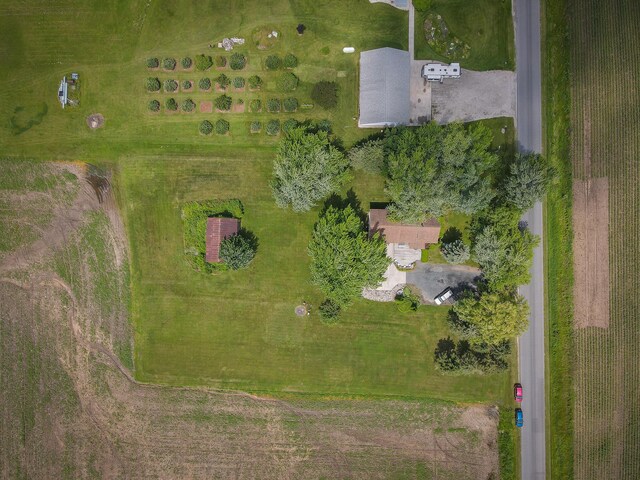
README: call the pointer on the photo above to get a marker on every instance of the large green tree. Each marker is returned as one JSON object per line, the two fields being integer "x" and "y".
{"x": 495, "y": 317}
{"x": 528, "y": 181}
{"x": 433, "y": 169}
{"x": 344, "y": 259}
{"x": 307, "y": 168}
{"x": 504, "y": 248}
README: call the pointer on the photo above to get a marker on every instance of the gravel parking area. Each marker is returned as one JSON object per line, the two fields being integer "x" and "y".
{"x": 433, "y": 278}
{"x": 474, "y": 96}
{"x": 420, "y": 95}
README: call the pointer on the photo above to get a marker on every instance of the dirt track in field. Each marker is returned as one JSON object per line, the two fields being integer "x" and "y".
{"x": 69, "y": 406}
{"x": 591, "y": 252}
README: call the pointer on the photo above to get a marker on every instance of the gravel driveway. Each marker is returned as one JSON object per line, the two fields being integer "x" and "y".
{"x": 474, "y": 96}
{"x": 433, "y": 278}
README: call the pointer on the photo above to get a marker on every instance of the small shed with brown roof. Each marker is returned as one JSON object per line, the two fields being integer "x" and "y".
{"x": 416, "y": 236}
{"x": 217, "y": 230}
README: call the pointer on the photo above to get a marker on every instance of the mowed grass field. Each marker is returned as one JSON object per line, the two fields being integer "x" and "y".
{"x": 605, "y": 116}
{"x": 485, "y": 25}
{"x": 108, "y": 43}
{"x": 238, "y": 330}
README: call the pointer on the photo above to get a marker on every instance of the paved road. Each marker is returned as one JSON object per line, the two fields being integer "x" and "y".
{"x": 532, "y": 351}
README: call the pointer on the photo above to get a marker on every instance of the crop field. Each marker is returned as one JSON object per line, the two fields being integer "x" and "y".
{"x": 70, "y": 408}
{"x": 605, "y": 149}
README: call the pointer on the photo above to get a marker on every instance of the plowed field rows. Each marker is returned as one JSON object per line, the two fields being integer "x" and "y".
{"x": 605, "y": 69}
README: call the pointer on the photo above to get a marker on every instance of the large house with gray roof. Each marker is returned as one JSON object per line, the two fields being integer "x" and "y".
{"x": 384, "y": 88}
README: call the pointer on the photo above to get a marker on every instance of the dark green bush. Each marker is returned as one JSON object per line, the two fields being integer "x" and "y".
{"x": 203, "y": 62}
{"x": 325, "y": 94}
{"x": 221, "y": 61}
{"x": 238, "y": 82}
{"x": 237, "y": 61}
{"x": 273, "y": 127}
{"x": 290, "y": 61}
{"x": 153, "y": 84}
{"x": 171, "y": 104}
{"x": 205, "y": 83}
{"x": 153, "y": 62}
{"x": 289, "y": 124}
{"x": 290, "y": 104}
{"x": 170, "y": 85}
{"x": 329, "y": 311}
{"x": 186, "y": 62}
{"x": 408, "y": 301}
{"x": 237, "y": 251}
{"x": 255, "y": 82}
{"x": 287, "y": 82}
{"x": 273, "y": 105}
{"x": 169, "y": 63}
{"x": 154, "y": 106}
{"x": 186, "y": 84}
{"x": 222, "y": 127}
{"x": 255, "y": 105}
{"x": 223, "y": 81}
{"x": 188, "y": 105}
{"x": 206, "y": 127}
{"x": 223, "y": 102}
{"x": 273, "y": 62}
{"x": 256, "y": 126}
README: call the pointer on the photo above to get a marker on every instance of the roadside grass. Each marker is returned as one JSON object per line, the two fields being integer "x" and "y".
{"x": 113, "y": 72}
{"x": 238, "y": 330}
{"x": 558, "y": 241}
{"x": 485, "y": 25}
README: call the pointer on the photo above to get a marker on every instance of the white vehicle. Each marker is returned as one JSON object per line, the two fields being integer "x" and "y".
{"x": 443, "y": 297}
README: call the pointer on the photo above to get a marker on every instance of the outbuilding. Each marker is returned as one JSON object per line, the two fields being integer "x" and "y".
{"x": 217, "y": 230}
{"x": 384, "y": 87}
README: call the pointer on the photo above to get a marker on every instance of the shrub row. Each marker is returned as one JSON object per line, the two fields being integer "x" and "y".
{"x": 221, "y": 127}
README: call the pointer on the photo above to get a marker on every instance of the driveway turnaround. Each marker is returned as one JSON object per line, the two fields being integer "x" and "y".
{"x": 474, "y": 96}
{"x": 531, "y": 344}
{"x": 433, "y": 278}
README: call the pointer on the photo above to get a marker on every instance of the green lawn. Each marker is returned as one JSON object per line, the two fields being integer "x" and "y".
{"x": 238, "y": 329}
{"x": 108, "y": 46}
{"x": 486, "y": 26}
{"x": 235, "y": 330}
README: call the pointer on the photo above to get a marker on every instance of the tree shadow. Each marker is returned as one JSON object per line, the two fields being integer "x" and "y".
{"x": 446, "y": 346}
{"x": 451, "y": 235}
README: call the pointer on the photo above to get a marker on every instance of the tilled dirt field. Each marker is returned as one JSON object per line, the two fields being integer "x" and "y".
{"x": 70, "y": 408}
{"x": 591, "y": 252}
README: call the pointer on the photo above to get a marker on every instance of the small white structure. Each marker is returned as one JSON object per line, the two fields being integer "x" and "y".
{"x": 437, "y": 72}
{"x": 62, "y": 92}
{"x": 348, "y": 50}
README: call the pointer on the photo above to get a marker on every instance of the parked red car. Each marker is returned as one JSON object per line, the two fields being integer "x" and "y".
{"x": 517, "y": 392}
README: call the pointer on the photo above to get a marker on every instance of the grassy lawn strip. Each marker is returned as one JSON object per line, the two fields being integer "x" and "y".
{"x": 486, "y": 26}
{"x": 558, "y": 236}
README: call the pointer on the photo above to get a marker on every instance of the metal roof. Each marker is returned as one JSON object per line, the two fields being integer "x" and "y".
{"x": 384, "y": 87}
